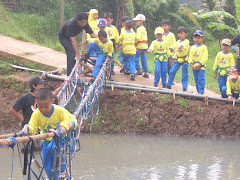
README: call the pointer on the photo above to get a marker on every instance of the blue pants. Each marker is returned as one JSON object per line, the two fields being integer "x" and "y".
{"x": 93, "y": 47}
{"x": 49, "y": 162}
{"x": 173, "y": 72}
{"x": 143, "y": 56}
{"x": 160, "y": 72}
{"x": 222, "y": 80}
{"x": 129, "y": 63}
{"x": 224, "y": 92}
{"x": 199, "y": 77}
{"x": 120, "y": 57}
{"x": 70, "y": 52}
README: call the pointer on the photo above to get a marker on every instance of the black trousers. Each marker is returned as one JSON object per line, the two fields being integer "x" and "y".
{"x": 238, "y": 65}
{"x": 67, "y": 44}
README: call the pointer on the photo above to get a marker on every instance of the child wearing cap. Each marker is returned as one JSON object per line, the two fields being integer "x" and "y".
{"x": 223, "y": 61}
{"x": 142, "y": 45}
{"x": 233, "y": 85}
{"x": 166, "y": 25}
{"x": 93, "y": 21}
{"x": 180, "y": 59}
{"x": 128, "y": 49}
{"x": 161, "y": 50}
{"x": 198, "y": 57}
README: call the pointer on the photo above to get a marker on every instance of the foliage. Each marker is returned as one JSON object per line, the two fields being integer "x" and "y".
{"x": 184, "y": 102}
{"x": 209, "y": 4}
{"x": 200, "y": 109}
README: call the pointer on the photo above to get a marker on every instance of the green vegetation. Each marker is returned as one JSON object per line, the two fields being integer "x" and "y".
{"x": 200, "y": 109}
{"x": 118, "y": 107}
{"x": 98, "y": 120}
{"x": 138, "y": 120}
{"x": 184, "y": 102}
{"x": 165, "y": 98}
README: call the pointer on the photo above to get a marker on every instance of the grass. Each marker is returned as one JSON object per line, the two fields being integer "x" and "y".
{"x": 238, "y": 11}
{"x": 184, "y": 102}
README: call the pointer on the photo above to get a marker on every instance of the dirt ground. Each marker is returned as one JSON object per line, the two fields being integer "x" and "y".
{"x": 138, "y": 113}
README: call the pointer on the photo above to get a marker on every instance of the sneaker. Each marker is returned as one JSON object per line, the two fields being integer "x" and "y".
{"x": 169, "y": 87}
{"x": 113, "y": 73}
{"x": 184, "y": 90}
{"x": 86, "y": 56}
{"x": 122, "y": 70}
{"x": 164, "y": 86}
{"x": 139, "y": 73}
{"x": 146, "y": 75}
{"x": 92, "y": 80}
{"x": 173, "y": 83}
{"x": 126, "y": 72}
{"x": 132, "y": 77}
{"x": 155, "y": 85}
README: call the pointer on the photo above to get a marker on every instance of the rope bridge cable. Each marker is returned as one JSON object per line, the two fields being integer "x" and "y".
{"x": 78, "y": 97}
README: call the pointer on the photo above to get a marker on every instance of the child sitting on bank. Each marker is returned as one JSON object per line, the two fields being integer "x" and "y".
{"x": 104, "y": 50}
{"x": 233, "y": 85}
{"x": 198, "y": 57}
{"x": 166, "y": 25}
{"x": 161, "y": 54}
{"x": 142, "y": 46}
{"x": 181, "y": 59}
{"x": 46, "y": 117}
{"x": 223, "y": 61}
{"x": 128, "y": 49}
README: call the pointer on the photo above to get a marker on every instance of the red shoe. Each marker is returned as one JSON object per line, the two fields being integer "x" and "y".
{"x": 139, "y": 73}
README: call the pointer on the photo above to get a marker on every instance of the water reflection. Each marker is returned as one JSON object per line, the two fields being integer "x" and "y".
{"x": 147, "y": 157}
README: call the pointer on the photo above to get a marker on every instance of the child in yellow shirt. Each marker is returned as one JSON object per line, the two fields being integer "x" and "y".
{"x": 142, "y": 46}
{"x": 181, "y": 59}
{"x": 161, "y": 54}
{"x": 128, "y": 49}
{"x": 198, "y": 57}
{"x": 223, "y": 61}
{"x": 47, "y": 117}
{"x": 233, "y": 85}
{"x": 166, "y": 25}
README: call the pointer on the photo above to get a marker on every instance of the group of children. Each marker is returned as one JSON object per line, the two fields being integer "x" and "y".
{"x": 169, "y": 54}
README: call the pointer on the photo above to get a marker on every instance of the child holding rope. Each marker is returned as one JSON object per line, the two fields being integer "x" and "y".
{"x": 198, "y": 57}
{"x": 142, "y": 46}
{"x": 103, "y": 48}
{"x": 224, "y": 60}
{"x": 161, "y": 54}
{"x": 46, "y": 118}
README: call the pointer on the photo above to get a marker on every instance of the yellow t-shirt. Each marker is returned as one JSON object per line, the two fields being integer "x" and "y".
{"x": 233, "y": 86}
{"x": 181, "y": 55}
{"x": 198, "y": 55}
{"x": 112, "y": 33}
{"x": 171, "y": 39}
{"x": 161, "y": 50}
{"x": 44, "y": 122}
{"x": 222, "y": 63}
{"x": 127, "y": 40}
{"x": 141, "y": 36}
{"x": 106, "y": 48}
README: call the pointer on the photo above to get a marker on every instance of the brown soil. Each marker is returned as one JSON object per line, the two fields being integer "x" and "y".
{"x": 139, "y": 113}
{"x": 156, "y": 114}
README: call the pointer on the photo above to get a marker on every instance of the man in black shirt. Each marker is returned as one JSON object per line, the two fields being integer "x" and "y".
{"x": 27, "y": 103}
{"x": 67, "y": 37}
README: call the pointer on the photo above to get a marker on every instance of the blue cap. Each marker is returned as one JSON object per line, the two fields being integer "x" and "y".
{"x": 198, "y": 32}
{"x": 102, "y": 22}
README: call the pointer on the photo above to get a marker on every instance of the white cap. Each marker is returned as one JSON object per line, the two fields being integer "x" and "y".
{"x": 140, "y": 17}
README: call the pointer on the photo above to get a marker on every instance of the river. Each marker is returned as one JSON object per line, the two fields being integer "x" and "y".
{"x": 136, "y": 157}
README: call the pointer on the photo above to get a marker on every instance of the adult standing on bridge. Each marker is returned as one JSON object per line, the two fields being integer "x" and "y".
{"x": 67, "y": 37}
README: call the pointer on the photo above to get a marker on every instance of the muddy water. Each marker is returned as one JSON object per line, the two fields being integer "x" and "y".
{"x": 146, "y": 157}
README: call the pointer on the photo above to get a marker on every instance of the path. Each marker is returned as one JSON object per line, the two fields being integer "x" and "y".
{"x": 10, "y": 47}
